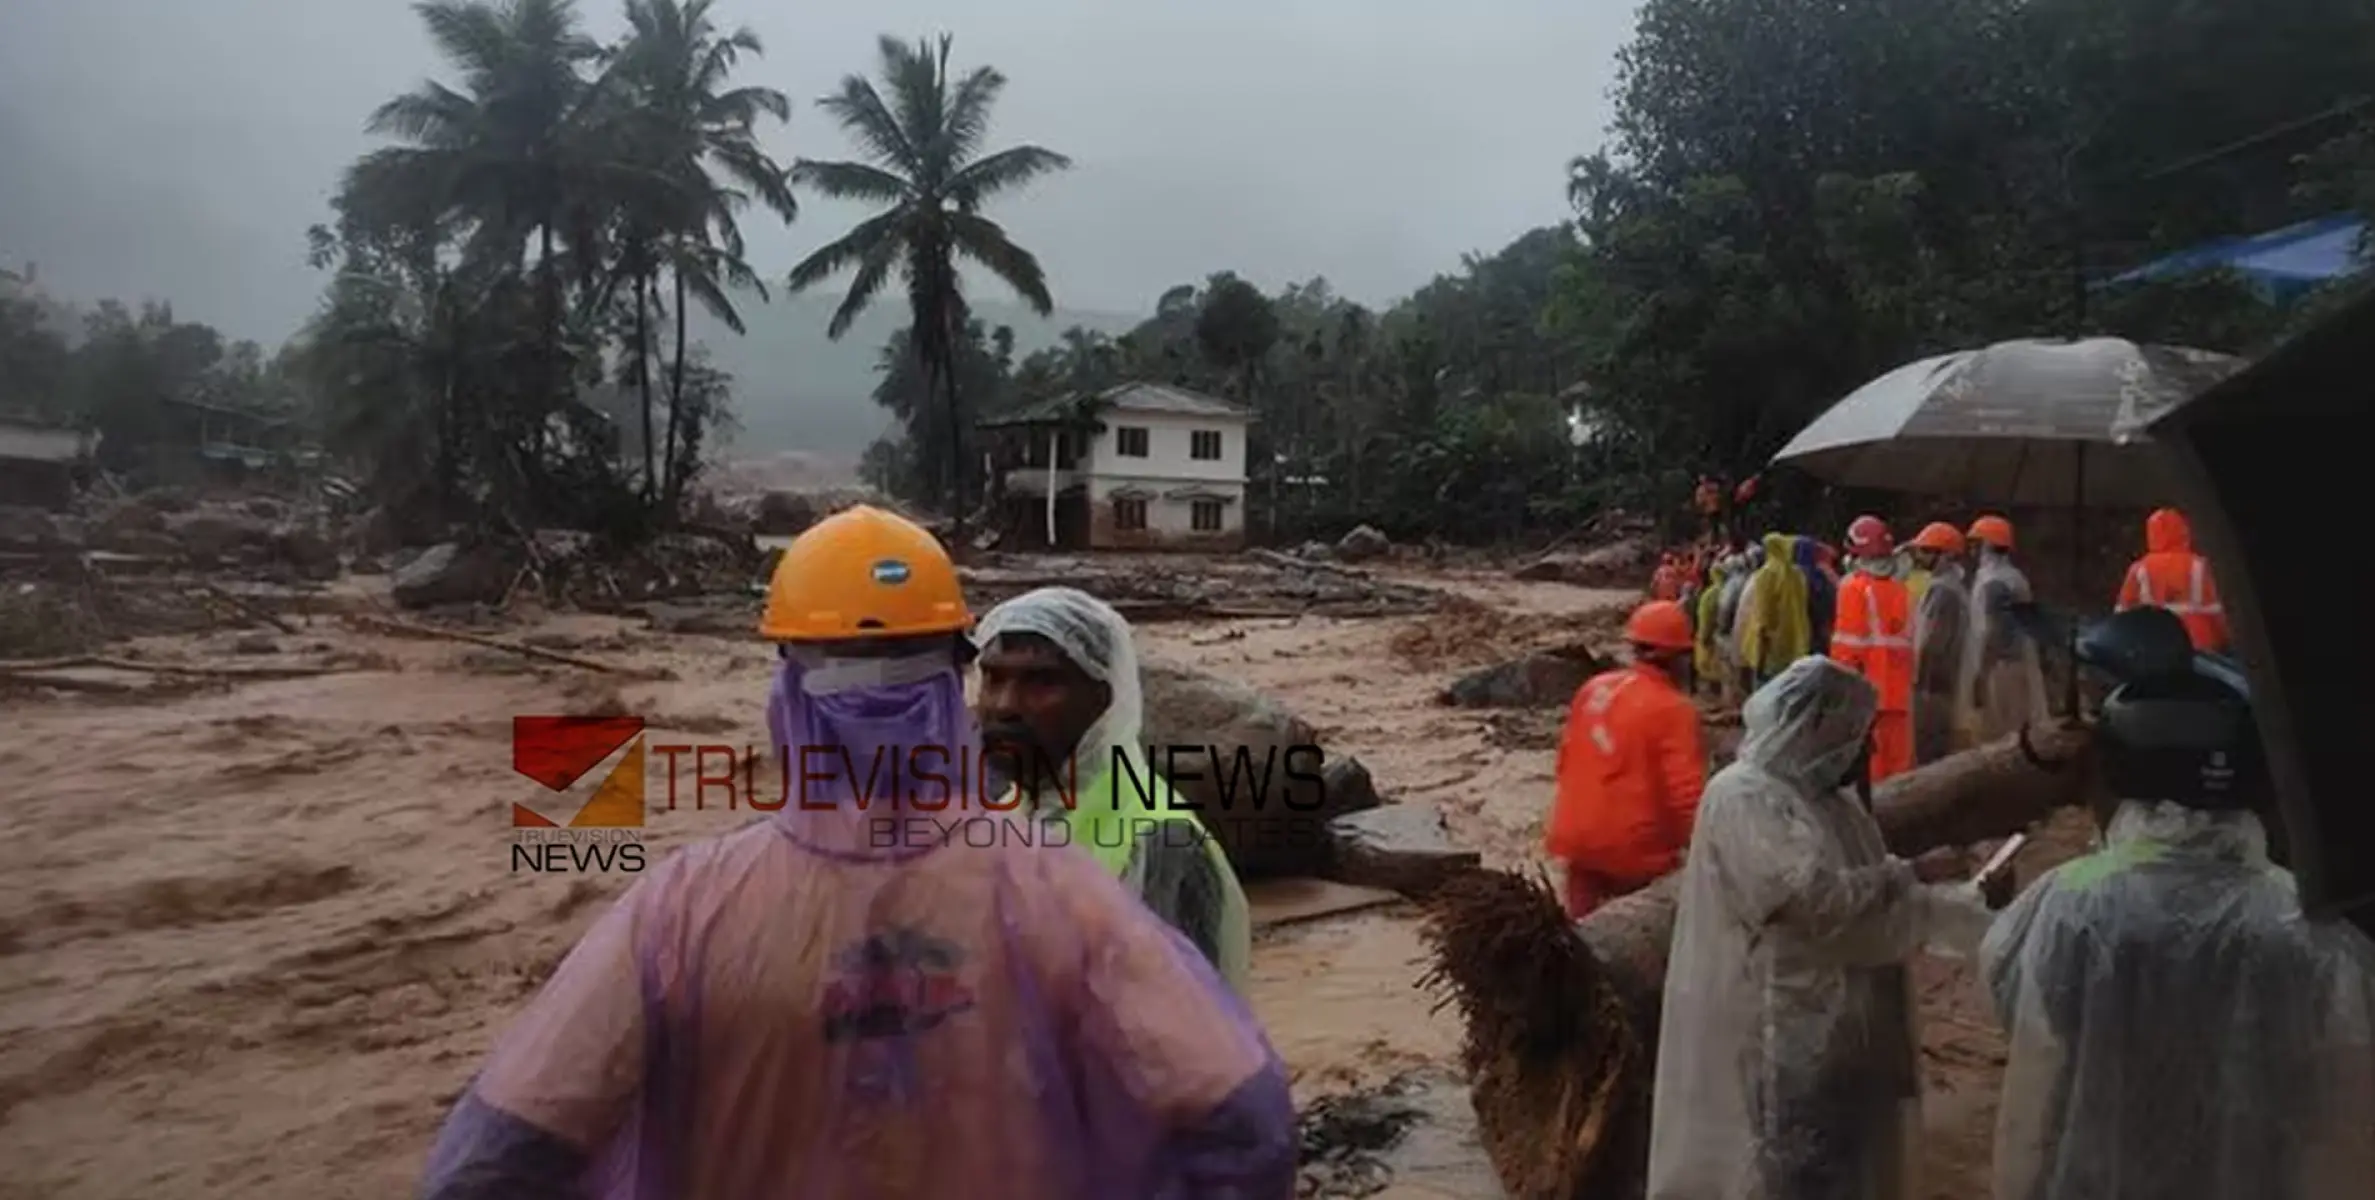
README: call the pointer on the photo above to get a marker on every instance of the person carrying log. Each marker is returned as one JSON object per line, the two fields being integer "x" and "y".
{"x": 806, "y": 1007}
{"x": 2178, "y": 1029}
{"x": 1630, "y": 767}
{"x": 1061, "y": 698}
{"x": 1787, "y": 1067}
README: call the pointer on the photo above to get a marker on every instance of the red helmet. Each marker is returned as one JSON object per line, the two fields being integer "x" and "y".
{"x": 1659, "y": 625}
{"x": 1868, "y": 537}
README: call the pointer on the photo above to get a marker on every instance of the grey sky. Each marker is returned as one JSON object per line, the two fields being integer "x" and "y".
{"x": 179, "y": 148}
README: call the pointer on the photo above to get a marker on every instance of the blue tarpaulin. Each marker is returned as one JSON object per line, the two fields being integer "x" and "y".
{"x": 2282, "y": 263}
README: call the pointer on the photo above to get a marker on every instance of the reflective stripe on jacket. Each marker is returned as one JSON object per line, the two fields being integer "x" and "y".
{"x": 1874, "y": 636}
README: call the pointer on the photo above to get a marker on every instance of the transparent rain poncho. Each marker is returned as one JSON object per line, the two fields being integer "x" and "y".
{"x": 2003, "y": 677}
{"x": 1163, "y": 853}
{"x": 1787, "y": 1067}
{"x": 808, "y": 1008}
{"x": 1941, "y": 626}
{"x": 2178, "y": 1029}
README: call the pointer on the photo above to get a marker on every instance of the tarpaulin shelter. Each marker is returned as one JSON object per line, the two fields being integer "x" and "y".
{"x": 2279, "y": 450}
{"x": 2281, "y": 263}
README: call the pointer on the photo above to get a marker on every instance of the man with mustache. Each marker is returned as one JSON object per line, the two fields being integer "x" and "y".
{"x": 1061, "y": 705}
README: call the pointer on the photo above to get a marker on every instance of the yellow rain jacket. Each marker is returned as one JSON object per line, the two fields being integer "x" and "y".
{"x": 1779, "y": 629}
{"x": 1703, "y": 631}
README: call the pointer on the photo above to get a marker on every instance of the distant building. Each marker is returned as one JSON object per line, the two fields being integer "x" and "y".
{"x": 1138, "y": 466}
{"x": 39, "y": 463}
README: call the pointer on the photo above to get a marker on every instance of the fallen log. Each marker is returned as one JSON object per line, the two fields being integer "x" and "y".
{"x": 1562, "y": 1017}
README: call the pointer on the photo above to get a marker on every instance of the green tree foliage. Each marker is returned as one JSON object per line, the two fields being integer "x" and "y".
{"x": 540, "y": 221}
{"x": 926, "y": 166}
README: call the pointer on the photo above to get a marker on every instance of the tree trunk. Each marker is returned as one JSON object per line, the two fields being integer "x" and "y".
{"x": 1562, "y": 1017}
{"x": 643, "y": 379}
{"x": 673, "y": 488}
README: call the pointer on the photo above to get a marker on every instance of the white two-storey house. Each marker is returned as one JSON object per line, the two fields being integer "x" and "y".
{"x": 1137, "y": 466}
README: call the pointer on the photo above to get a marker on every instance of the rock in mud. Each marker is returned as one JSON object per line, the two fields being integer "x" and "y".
{"x": 1399, "y": 847}
{"x": 1270, "y": 824}
{"x": 1349, "y": 788}
{"x": 1362, "y": 544}
{"x": 783, "y": 514}
{"x": 447, "y": 573}
{"x": 1620, "y": 564}
{"x": 306, "y": 549}
{"x": 215, "y": 536}
{"x": 1538, "y": 680}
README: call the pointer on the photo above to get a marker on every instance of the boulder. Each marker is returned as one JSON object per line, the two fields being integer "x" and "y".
{"x": 307, "y": 550}
{"x": 1620, "y": 564}
{"x": 1399, "y": 847}
{"x": 167, "y": 499}
{"x": 1538, "y": 680}
{"x": 135, "y": 519}
{"x": 449, "y": 573}
{"x": 783, "y": 514}
{"x": 264, "y": 508}
{"x": 1362, "y": 544}
{"x": 1269, "y": 814}
{"x": 26, "y": 530}
{"x": 216, "y": 535}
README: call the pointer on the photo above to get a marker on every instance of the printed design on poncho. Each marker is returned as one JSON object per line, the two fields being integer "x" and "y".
{"x": 894, "y": 984}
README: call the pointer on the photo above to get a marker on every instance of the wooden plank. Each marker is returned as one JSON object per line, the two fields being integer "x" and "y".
{"x": 1277, "y": 902}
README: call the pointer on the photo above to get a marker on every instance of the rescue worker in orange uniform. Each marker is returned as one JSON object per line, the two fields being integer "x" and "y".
{"x": 1873, "y": 636}
{"x": 2172, "y": 576}
{"x": 1630, "y": 767}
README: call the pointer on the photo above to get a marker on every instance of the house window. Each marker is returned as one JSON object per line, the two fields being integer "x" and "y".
{"x": 1204, "y": 515}
{"x": 1129, "y": 516}
{"x": 1129, "y": 441}
{"x": 1204, "y": 444}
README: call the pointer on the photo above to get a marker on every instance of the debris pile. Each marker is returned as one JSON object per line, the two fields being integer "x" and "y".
{"x": 1620, "y": 564}
{"x": 1542, "y": 679}
{"x": 1261, "y": 583}
{"x": 569, "y": 568}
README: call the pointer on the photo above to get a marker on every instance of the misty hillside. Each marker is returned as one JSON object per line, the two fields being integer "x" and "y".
{"x": 795, "y": 389}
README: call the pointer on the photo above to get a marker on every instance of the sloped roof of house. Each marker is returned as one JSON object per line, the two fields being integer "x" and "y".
{"x": 1083, "y": 409}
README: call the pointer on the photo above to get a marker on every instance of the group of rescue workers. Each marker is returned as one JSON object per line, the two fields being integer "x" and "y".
{"x": 856, "y": 996}
{"x": 2178, "y": 1028}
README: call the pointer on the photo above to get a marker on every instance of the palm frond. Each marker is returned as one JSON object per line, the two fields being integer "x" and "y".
{"x": 985, "y": 242}
{"x": 852, "y": 181}
{"x": 1007, "y": 169}
{"x": 873, "y": 271}
{"x": 838, "y": 255}
{"x": 860, "y": 112}
{"x": 967, "y": 119}
{"x": 745, "y": 163}
{"x": 434, "y": 114}
{"x": 918, "y": 97}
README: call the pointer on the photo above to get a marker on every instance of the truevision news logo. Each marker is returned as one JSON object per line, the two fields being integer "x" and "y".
{"x": 940, "y": 794}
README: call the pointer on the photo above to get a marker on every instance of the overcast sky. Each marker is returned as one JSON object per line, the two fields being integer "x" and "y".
{"x": 179, "y": 148}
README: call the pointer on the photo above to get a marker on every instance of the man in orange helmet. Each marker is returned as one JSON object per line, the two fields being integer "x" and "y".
{"x": 2003, "y": 677}
{"x": 1630, "y": 767}
{"x": 861, "y": 994}
{"x": 1872, "y": 635}
{"x": 1941, "y": 620}
{"x": 2172, "y": 576}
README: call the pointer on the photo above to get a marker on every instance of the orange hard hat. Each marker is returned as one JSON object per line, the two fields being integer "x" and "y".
{"x": 1868, "y": 537}
{"x": 863, "y": 573}
{"x": 1939, "y": 536}
{"x": 1994, "y": 531}
{"x": 1659, "y": 625}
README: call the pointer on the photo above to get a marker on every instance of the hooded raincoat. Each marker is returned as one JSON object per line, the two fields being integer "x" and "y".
{"x": 1822, "y": 594}
{"x": 1775, "y": 622}
{"x": 2178, "y": 1030}
{"x": 1787, "y": 1066}
{"x": 2174, "y": 577}
{"x": 1112, "y": 803}
{"x": 1941, "y": 624}
{"x": 1706, "y": 631}
{"x": 864, "y": 997}
{"x": 1728, "y": 606}
{"x": 2003, "y": 676}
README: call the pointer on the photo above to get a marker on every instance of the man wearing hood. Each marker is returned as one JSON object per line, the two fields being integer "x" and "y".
{"x": 861, "y": 996}
{"x": 1787, "y": 1065}
{"x": 1775, "y": 625}
{"x": 2178, "y": 1028}
{"x": 1062, "y": 703}
{"x": 2172, "y": 576}
{"x": 1941, "y": 619}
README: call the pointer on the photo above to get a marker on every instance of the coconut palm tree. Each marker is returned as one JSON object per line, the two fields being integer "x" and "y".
{"x": 687, "y": 129}
{"x": 504, "y": 160}
{"x": 925, "y": 166}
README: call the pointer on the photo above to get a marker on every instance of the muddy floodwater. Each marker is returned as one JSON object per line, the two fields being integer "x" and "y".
{"x": 256, "y": 937}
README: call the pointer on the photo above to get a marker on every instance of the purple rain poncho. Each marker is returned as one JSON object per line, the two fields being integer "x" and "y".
{"x": 792, "y": 1011}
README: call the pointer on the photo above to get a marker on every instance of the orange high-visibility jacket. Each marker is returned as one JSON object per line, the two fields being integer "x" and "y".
{"x": 2172, "y": 576}
{"x": 1630, "y": 773}
{"x": 1872, "y": 635}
